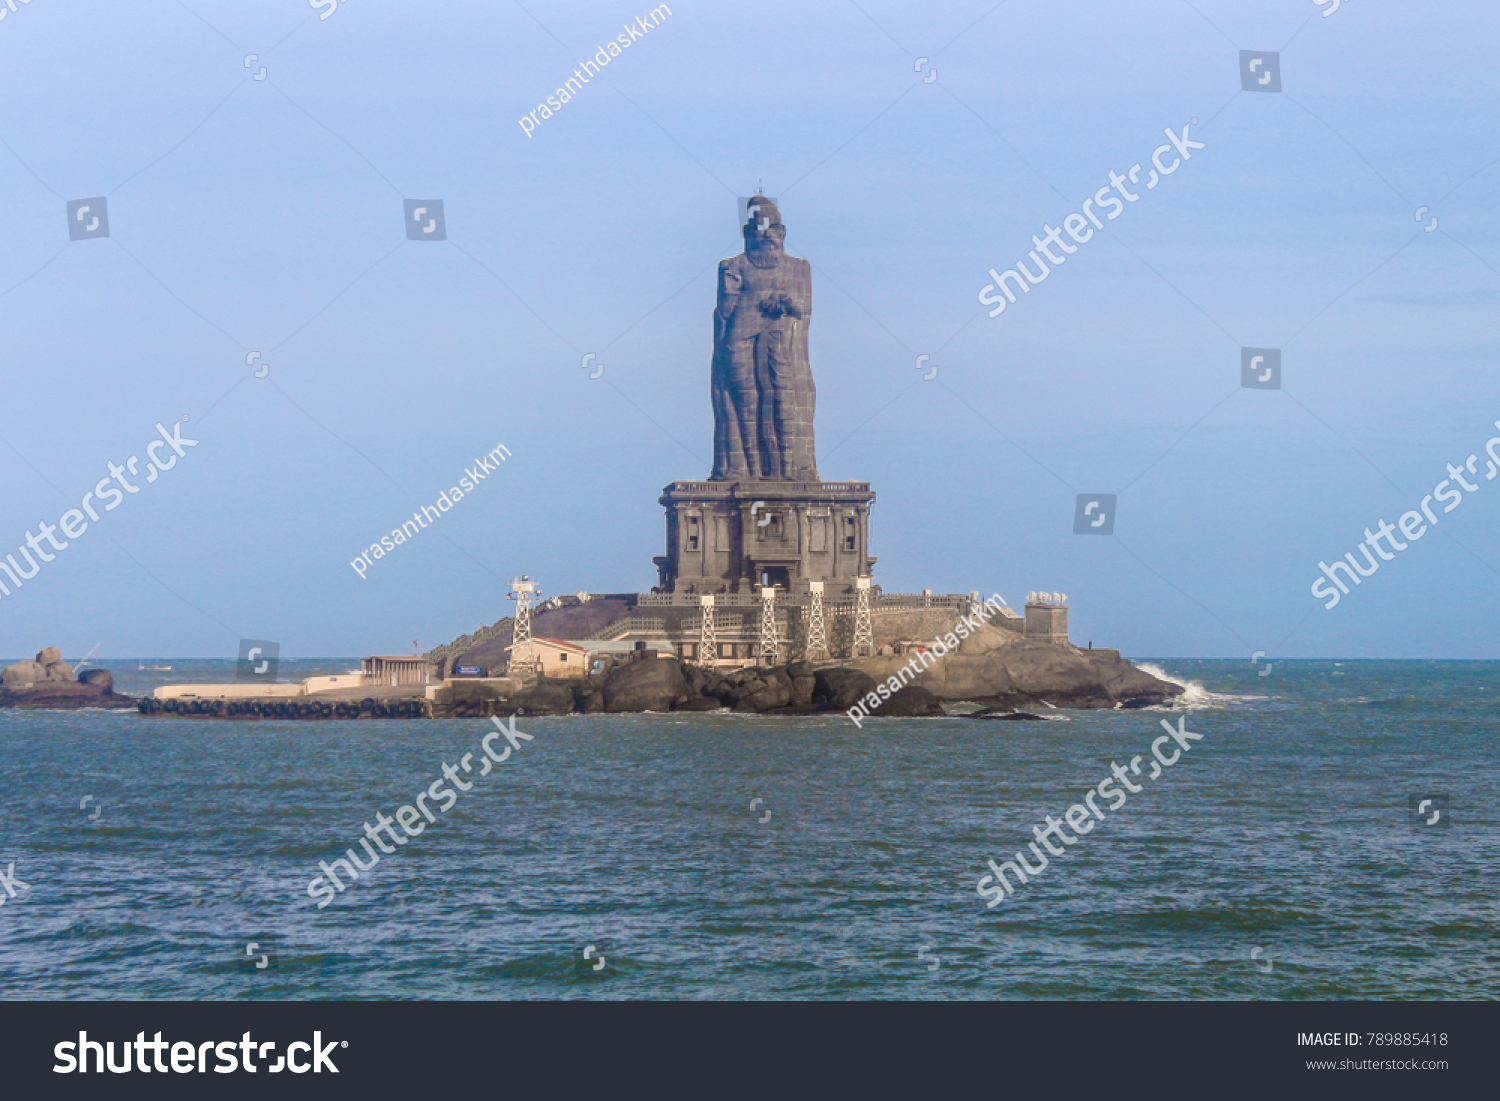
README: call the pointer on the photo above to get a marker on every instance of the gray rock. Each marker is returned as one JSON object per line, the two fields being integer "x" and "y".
{"x": 774, "y": 690}
{"x": 48, "y": 656}
{"x": 697, "y": 679}
{"x": 699, "y": 703}
{"x": 60, "y": 672}
{"x": 99, "y": 678}
{"x": 23, "y": 674}
{"x": 911, "y": 702}
{"x": 646, "y": 686}
{"x": 840, "y": 689}
{"x": 1023, "y": 673}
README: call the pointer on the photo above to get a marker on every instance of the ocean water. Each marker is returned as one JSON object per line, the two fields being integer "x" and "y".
{"x": 723, "y": 856}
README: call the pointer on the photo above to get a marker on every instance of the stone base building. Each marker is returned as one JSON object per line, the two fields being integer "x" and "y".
{"x": 735, "y": 537}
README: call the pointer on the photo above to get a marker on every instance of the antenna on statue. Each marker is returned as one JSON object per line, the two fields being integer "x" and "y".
{"x": 760, "y": 186}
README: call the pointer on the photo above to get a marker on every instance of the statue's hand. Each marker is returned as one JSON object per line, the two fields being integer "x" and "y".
{"x": 733, "y": 281}
{"x": 788, "y": 306}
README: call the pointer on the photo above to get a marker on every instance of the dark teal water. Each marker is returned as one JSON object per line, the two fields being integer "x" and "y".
{"x": 1286, "y": 828}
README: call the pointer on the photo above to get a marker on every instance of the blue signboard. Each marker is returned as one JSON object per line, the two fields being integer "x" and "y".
{"x": 470, "y": 671}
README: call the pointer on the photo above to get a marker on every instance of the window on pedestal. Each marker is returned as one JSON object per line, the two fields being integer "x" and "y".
{"x": 851, "y": 533}
{"x": 692, "y": 533}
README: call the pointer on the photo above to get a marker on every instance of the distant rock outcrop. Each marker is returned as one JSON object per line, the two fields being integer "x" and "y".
{"x": 48, "y": 683}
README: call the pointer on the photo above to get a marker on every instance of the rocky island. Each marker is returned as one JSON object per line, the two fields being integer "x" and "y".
{"x": 765, "y": 602}
{"x": 48, "y": 683}
{"x": 993, "y": 668}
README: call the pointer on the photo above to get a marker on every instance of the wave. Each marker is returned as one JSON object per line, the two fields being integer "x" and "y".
{"x": 1194, "y": 695}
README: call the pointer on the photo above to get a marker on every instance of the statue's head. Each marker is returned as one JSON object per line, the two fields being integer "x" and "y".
{"x": 763, "y": 229}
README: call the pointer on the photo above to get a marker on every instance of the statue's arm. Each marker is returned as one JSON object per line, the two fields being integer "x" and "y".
{"x": 730, "y": 283}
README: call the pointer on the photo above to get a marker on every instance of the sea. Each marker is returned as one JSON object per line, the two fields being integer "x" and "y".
{"x": 1333, "y": 833}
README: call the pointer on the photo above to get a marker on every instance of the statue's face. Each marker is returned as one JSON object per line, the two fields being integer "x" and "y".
{"x": 764, "y": 231}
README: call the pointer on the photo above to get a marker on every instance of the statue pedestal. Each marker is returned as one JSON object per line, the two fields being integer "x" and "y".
{"x": 737, "y": 536}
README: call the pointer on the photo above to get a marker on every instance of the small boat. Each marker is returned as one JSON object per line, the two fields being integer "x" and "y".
{"x": 142, "y": 667}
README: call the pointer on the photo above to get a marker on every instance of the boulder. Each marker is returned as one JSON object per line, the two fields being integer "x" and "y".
{"x": 802, "y": 690}
{"x": 697, "y": 679}
{"x": 646, "y": 686}
{"x": 23, "y": 674}
{"x": 60, "y": 672}
{"x": 588, "y": 700}
{"x": 699, "y": 703}
{"x": 772, "y": 690}
{"x": 841, "y": 688}
{"x": 911, "y": 702}
{"x": 48, "y": 656}
{"x": 99, "y": 678}
{"x": 742, "y": 687}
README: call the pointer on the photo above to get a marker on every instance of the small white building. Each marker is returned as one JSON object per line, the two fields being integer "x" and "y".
{"x": 389, "y": 671}
{"x": 557, "y": 658}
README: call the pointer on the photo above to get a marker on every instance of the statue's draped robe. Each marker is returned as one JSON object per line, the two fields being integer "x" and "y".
{"x": 763, "y": 392}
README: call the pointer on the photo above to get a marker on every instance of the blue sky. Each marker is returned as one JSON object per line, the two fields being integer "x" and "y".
{"x": 267, "y": 215}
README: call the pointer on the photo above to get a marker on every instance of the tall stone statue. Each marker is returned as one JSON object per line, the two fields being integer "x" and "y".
{"x": 763, "y": 390}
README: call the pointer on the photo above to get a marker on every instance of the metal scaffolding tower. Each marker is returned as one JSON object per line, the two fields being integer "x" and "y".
{"x": 864, "y": 636}
{"x": 817, "y": 636}
{"x": 770, "y": 645}
{"x": 708, "y": 641}
{"x": 523, "y": 592}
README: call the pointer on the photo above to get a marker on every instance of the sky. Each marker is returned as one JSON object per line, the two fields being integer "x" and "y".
{"x": 257, "y": 280}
